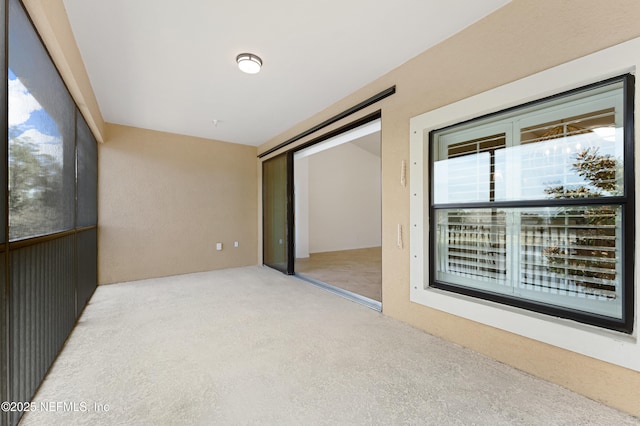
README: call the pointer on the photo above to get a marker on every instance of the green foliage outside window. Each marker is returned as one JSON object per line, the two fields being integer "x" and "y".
{"x": 35, "y": 185}
{"x": 591, "y": 253}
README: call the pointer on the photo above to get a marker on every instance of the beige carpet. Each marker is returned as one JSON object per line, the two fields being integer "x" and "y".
{"x": 358, "y": 271}
{"x": 251, "y": 346}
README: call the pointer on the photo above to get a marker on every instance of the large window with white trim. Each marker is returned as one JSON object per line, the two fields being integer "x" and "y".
{"x": 533, "y": 206}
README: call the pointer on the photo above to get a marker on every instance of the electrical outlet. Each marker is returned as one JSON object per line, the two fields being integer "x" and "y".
{"x": 218, "y": 246}
{"x": 235, "y": 244}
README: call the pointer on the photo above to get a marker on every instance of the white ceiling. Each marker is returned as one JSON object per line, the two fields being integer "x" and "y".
{"x": 170, "y": 66}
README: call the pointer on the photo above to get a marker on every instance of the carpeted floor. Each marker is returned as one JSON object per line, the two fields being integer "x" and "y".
{"x": 358, "y": 271}
{"x": 253, "y": 346}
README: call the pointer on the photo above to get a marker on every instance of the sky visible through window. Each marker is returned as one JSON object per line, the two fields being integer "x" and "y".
{"x": 30, "y": 121}
{"x": 35, "y": 165}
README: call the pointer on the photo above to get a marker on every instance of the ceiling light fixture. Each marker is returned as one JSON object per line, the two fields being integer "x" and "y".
{"x": 249, "y": 63}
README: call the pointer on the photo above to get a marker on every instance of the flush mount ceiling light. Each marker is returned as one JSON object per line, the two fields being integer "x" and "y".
{"x": 249, "y": 63}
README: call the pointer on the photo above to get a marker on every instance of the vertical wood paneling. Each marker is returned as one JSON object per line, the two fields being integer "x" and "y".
{"x": 87, "y": 267}
{"x": 4, "y": 380}
{"x": 43, "y": 311}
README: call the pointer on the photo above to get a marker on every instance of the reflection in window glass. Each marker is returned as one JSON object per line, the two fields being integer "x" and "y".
{"x": 577, "y": 157}
{"x": 565, "y": 256}
{"x": 469, "y": 170}
{"x": 560, "y": 153}
{"x": 529, "y": 204}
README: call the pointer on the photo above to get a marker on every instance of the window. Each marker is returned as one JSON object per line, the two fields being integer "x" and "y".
{"x": 87, "y": 179}
{"x": 530, "y": 206}
{"x": 41, "y": 137}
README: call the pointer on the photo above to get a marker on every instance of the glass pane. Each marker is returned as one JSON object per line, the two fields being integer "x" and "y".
{"x": 577, "y": 157}
{"x": 275, "y": 218}
{"x": 467, "y": 173}
{"x": 41, "y": 137}
{"x": 87, "y": 175}
{"x": 563, "y": 149}
{"x": 573, "y": 252}
{"x": 3, "y": 158}
{"x": 564, "y": 256}
{"x": 471, "y": 246}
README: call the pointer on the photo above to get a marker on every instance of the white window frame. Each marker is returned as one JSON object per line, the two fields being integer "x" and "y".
{"x": 607, "y": 345}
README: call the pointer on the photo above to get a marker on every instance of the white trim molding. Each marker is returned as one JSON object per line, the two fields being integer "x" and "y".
{"x": 606, "y": 345}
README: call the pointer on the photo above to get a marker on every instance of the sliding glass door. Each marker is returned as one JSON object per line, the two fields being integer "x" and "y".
{"x": 277, "y": 181}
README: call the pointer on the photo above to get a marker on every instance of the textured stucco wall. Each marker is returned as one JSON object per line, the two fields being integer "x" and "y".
{"x": 521, "y": 39}
{"x": 166, "y": 199}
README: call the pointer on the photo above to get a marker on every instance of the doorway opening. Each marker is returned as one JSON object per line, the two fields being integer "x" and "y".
{"x": 338, "y": 214}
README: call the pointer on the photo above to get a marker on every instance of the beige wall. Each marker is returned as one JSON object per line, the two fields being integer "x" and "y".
{"x": 165, "y": 200}
{"x": 344, "y": 199}
{"x": 524, "y": 37}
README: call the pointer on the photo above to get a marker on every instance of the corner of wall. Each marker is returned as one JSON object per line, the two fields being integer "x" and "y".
{"x": 51, "y": 21}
